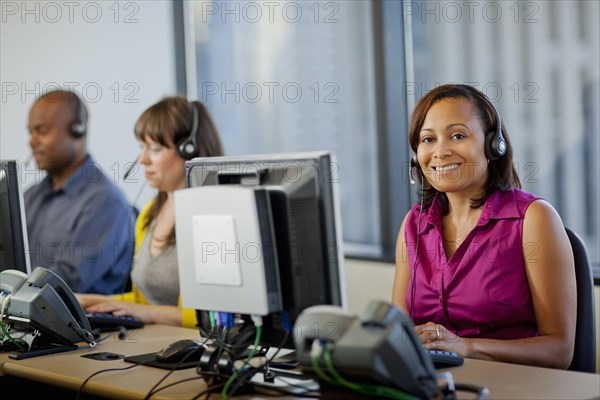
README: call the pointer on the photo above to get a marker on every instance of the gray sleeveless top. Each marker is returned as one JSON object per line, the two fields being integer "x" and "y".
{"x": 156, "y": 277}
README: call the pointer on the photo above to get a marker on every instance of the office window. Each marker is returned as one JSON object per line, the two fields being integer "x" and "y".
{"x": 291, "y": 76}
{"x": 539, "y": 62}
{"x": 308, "y": 75}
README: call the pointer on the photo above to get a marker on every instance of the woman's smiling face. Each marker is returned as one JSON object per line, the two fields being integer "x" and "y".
{"x": 451, "y": 147}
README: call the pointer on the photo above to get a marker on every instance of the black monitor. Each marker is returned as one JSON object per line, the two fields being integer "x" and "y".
{"x": 261, "y": 234}
{"x": 14, "y": 248}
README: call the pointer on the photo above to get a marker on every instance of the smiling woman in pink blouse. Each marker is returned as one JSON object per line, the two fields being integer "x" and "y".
{"x": 483, "y": 268}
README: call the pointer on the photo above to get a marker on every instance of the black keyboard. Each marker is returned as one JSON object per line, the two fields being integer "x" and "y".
{"x": 444, "y": 359}
{"x": 106, "y": 321}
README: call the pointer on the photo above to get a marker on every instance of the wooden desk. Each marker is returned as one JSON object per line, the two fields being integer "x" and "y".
{"x": 511, "y": 381}
{"x": 69, "y": 370}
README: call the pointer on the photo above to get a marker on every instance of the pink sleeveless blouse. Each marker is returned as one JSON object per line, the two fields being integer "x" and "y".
{"x": 482, "y": 290}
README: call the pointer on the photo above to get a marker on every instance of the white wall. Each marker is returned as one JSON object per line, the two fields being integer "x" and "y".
{"x": 367, "y": 281}
{"x": 119, "y": 56}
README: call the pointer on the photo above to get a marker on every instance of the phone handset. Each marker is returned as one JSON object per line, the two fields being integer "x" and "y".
{"x": 42, "y": 276}
{"x": 381, "y": 345}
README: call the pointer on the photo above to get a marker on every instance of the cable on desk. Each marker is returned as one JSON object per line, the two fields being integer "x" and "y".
{"x": 229, "y": 345}
{"x": 258, "y": 325}
{"x": 5, "y": 334}
{"x": 9, "y": 337}
{"x": 362, "y": 388}
{"x": 252, "y": 370}
{"x": 107, "y": 370}
{"x": 153, "y": 389}
{"x": 207, "y": 390}
{"x": 315, "y": 353}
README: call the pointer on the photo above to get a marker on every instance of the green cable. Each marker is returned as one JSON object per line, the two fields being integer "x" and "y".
{"x": 211, "y": 315}
{"x": 246, "y": 361}
{"x": 315, "y": 364}
{"x": 363, "y": 388}
{"x": 10, "y": 338}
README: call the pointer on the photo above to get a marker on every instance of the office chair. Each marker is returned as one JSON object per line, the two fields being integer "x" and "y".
{"x": 584, "y": 356}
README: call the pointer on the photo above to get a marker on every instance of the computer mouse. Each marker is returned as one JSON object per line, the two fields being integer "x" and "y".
{"x": 177, "y": 350}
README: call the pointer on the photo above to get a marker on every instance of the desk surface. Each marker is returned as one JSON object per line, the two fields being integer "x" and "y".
{"x": 69, "y": 370}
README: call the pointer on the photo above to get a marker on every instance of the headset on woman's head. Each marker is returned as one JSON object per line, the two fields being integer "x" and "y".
{"x": 187, "y": 148}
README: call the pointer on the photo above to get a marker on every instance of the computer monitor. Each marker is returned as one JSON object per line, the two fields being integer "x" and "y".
{"x": 14, "y": 247}
{"x": 283, "y": 205}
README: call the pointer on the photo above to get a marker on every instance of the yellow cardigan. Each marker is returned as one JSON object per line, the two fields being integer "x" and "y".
{"x": 189, "y": 315}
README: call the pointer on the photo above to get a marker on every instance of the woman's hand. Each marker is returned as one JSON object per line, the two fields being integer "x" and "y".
{"x": 117, "y": 307}
{"x": 88, "y": 300}
{"x": 435, "y": 336}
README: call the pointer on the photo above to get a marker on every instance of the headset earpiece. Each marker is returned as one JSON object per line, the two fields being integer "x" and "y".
{"x": 495, "y": 145}
{"x": 187, "y": 148}
{"x": 79, "y": 125}
{"x": 413, "y": 168}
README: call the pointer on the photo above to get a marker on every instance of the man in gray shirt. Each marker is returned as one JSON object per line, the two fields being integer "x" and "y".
{"x": 79, "y": 223}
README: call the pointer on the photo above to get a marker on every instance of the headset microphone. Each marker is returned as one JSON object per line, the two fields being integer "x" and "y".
{"x": 137, "y": 196}
{"x": 130, "y": 169}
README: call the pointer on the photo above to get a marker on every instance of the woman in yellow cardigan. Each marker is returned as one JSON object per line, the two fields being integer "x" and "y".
{"x": 169, "y": 132}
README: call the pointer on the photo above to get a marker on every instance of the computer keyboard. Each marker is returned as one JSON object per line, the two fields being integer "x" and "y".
{"x": 444, "y": 359}
{"x": 105, "y": 321}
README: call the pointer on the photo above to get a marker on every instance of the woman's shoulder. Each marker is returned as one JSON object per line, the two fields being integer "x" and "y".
{"x": 542, "y": 219}
{"x": 540, "y": 209}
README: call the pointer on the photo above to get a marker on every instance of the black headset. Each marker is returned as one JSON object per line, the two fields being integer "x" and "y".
{"x": 495, "y": 145}
{"x": 187, "y": 148}
{"x": 78, "y": 127}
